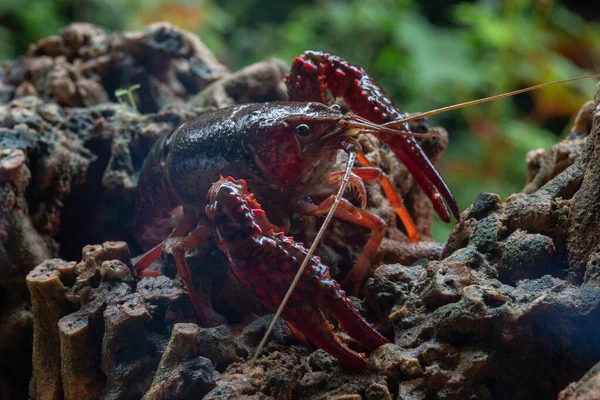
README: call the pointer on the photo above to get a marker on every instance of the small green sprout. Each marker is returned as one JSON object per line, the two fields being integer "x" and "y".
{"x": 119, "y": 93}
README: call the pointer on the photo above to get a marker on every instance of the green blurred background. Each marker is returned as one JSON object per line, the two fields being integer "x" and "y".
{"x": 426, "y": 54}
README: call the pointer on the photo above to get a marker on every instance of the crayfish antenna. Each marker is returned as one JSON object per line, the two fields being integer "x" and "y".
{"x": 366, "y": 126}
{"x": 484, "y": 100}
{"x": 338, "y": 197}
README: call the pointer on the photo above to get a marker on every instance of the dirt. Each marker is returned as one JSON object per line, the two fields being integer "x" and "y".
{"x": 508, "y": 308}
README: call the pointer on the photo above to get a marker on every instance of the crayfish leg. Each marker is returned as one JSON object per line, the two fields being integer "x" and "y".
{"x": 349, "y": 212}
{"x": 334, "y": 182}
{"x": 370, "y": 172}
{"x": 196, "y": 238}
{"x": 148, "y": 258}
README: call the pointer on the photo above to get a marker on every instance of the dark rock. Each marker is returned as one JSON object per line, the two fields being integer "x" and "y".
{"x": 254, "y": 332}
{"x": 525, "y": 255}
{"x": 515, "y": 300}
{"x": 49, "y": 303}
{"x": 484, "y": 204}
{"x": 395, "y": 362}
{"x": 99, "y": 338}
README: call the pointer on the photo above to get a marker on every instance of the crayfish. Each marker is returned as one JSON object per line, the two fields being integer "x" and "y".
{"x": 284, "y": 152}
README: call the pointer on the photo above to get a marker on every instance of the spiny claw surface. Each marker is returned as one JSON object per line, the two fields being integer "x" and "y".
{"x": 267, "y": 261}
{"x": 314, "y": 72}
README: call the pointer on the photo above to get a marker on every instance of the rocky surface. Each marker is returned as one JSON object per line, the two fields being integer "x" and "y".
{"x": 510, "y": 310}
{"x": 69, "y": 157}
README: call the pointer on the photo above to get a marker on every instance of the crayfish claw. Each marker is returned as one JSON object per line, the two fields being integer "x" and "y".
{"x": 271, "y": 269}
{"x": 350, "y": 320}
{"x": 319, "y": 331}
{"x": 367, "y": 100}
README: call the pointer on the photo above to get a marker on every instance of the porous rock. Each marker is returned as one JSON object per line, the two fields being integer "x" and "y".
{"x": 69, "y": 157}
{"x": 507, "y": 311}
{"x": 98, "y": 332}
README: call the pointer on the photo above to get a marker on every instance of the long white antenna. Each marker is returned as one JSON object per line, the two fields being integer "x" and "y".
{"x": 484, "y": 100}
{"x": 338, "y": 197}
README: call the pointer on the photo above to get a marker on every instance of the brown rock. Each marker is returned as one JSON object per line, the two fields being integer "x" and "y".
{"x": 49, "y": 302}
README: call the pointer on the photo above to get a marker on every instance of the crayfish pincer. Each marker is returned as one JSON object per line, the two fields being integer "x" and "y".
{"x": 252, "y": 248}
{"x": 285, "y": 152}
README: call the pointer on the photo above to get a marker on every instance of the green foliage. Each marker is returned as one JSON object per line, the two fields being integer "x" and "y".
{"x": 425, "y": 54}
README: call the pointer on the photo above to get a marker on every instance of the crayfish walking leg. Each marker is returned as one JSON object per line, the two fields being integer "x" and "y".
{"x": 179, "y": 244}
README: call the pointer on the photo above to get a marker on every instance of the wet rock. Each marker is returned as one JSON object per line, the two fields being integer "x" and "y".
{"x": 254, "y": 332}
{"x": 49, "y": 303}
{"x": 214, "y": 343}
{"x": 6, "y": 91}
{"x": 165, "y": 42}
{"x": 377, "y": 391}
{"x": 162, "y": 297}
{"x": 542, "y": 166}
{"x": 526, "y": 255}
{"x": 320, "y": 360}
{"x": 190, "y": 379}
{"x": 21, "y": 248}
{"x": 592, "y": 270}
{"x": 448, "y": 284}
{"x": 241, "y": 384}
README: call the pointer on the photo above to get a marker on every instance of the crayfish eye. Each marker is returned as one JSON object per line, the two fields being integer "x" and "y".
{"x": 302, "y": 130}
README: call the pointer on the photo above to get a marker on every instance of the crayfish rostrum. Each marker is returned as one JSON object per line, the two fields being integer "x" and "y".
{"x": 284, "y": 152}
